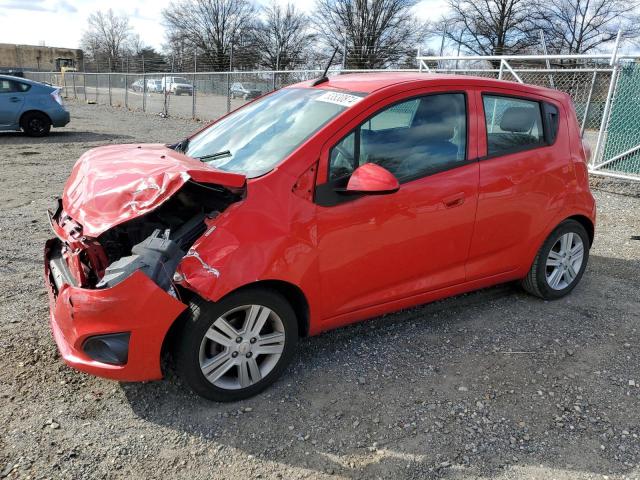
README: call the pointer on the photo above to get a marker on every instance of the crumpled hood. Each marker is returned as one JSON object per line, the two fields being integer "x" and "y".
{"x": 112, "y": 184}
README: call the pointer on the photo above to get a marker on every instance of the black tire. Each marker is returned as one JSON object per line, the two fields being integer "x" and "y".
{"x": 202, "y": 314}
{"x": 536, "y": 282}
{"x": 35, "y": 124}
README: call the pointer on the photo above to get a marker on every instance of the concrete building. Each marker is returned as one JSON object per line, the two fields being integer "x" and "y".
{"x": 39, "y": 58}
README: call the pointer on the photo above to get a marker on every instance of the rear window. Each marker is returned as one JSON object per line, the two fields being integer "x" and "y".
{"x": 513, "y": 124}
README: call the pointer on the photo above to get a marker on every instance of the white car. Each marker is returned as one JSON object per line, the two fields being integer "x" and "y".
{"x": 177, "y": 85}
{"x": 153, "y": 85}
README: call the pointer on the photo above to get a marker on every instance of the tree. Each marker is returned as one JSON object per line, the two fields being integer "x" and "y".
{"x": 491, "y": 27}
{"x": 376, "y": 33}
{"x": 210, "y": 26}
{"x": 106, "y": 37}
{"x": 282, "y": 37}
{"x": 580, "y": 26}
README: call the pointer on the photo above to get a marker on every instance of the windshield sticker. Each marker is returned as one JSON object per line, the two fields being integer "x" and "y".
{"x": 343, "y": 99}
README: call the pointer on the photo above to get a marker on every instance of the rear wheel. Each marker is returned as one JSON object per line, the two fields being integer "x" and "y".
{"x": 35, "y": 124}
{"x": 235, "y": 348}
{"x": 560, "y": 262}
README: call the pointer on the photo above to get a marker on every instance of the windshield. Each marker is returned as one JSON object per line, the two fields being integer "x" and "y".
{"x": 256, "y": 138}
{"x": 180, "y": 80}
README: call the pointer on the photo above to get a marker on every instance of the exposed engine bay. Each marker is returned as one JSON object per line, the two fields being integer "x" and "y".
{"x": 156, "y": 242}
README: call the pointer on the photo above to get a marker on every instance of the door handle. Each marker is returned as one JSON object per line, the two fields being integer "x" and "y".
{"x": 14, "y": 99}
{"x": 454, "y": 200}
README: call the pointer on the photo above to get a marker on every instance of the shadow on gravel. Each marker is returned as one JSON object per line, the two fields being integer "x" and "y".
{"x": 472, "y": 385}
{"x": 68, "y": 136}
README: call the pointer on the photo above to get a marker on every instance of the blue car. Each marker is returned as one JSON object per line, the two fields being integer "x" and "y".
{"x": 30, "y": 106}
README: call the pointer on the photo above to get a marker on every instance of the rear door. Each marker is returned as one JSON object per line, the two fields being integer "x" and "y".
{"x": 524, "y": 173}
{"x": 12, "y": 96}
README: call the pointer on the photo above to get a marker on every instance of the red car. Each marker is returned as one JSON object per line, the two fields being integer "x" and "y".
{"x": 318, "y": 205}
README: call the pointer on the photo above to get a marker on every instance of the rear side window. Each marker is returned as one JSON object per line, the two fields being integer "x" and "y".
{"x": 512, "y": 124}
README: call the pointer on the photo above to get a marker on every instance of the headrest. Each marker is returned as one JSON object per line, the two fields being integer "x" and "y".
{"x": 518, "y": 119}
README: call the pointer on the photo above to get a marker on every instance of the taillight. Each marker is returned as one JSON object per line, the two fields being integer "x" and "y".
{"x": 56, "y": 96}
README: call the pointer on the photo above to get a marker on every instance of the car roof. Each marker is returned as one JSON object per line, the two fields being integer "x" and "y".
{"x": 370, "y": 82}
{"x": 20, "y": 79}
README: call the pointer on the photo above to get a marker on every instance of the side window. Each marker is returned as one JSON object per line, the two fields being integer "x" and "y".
{"x": 512, "y": 124}
{"x": 7, "y": 86}
{"x": 410, "y": 139}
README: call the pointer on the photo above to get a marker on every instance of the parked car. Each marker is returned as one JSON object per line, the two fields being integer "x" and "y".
{"x": 30, "y": 106}
{"x": 177, "y": 85}
{"x": 238, "y": 90}
{"x": 318, "y": 205}
{"x": 138, "y": 85}
{"x": 153, "y": 85}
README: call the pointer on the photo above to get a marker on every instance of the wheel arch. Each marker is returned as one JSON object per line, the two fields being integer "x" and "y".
{"x": 33, "y": 110}
{"x": 292, "y": 293}
{"x": 587, "y": 224}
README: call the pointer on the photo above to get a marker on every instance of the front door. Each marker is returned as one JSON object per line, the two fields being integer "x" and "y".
{"x": 380, "y": 248}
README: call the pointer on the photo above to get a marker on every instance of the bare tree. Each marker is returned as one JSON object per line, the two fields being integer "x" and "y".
{"x": 580, "y": 26}
{"x": 376, "y": 33}
{"x": 282, "y": 37}
{"x": 107, "y": 36}
{"x": 491, "y": 27}
{"x": 211, "y": 26}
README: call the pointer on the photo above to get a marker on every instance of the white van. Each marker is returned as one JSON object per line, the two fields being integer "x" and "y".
{"x": 177, "y": 85}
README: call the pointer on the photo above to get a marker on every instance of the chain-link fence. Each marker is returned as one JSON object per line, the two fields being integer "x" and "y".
{"x": 610, "y": 123}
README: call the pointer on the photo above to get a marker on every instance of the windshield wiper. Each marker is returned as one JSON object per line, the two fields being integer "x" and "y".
{"x": 224, "y": 153}
{"x": 181, "y": 146}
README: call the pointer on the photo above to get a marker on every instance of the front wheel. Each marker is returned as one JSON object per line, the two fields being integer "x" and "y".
{"x": 237, "y": 347}
{"x": 560, "y": 262}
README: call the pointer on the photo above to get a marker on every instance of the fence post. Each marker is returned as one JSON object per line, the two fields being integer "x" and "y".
{"x": 84, "y": 85}
{"x": 144, "y": 91}
{"x": 126, "y": 88}
{"x": 109, "y": 87}
{"x": 73, "y": 79}
{"x": 193, "y": 88}
{"x": 588, "y": 105}
{"x": 607, "y": 104}
{"x": 228, "y": 92}
{"x": 274, "y": 81}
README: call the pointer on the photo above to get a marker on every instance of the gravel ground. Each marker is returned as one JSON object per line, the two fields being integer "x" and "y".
{"x": 493, "y": 384}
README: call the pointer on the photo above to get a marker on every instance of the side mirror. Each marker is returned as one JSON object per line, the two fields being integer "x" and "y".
{"x": 372, "y": 179}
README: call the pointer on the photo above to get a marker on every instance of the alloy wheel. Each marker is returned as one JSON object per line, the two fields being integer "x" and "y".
{"x": 564, "y": 261}
{"x": 242, "y": 347}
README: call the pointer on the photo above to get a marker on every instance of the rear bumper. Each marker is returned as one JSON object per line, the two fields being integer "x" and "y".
{"x": 136, "y": 305}
{"x": 60, "y": 118}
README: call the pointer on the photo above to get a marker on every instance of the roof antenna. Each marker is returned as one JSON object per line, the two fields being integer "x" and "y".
{"x": 324, "y": 77}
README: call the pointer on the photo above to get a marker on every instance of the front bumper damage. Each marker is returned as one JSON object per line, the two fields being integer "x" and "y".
{"x": 136, "y": 306}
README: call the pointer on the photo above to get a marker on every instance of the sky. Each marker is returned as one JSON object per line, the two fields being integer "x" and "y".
{"x": 60, "y": 23}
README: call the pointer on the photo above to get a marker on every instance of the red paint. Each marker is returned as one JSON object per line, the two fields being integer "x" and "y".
{"x": 136, "y": 305}
{"x": 440, "y": 235}
{"x": 113, "y": 184}
{"x": 372, "y": 178}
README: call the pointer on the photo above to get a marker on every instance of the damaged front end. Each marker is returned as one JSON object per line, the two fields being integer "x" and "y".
{"x": 113, "y": 296}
